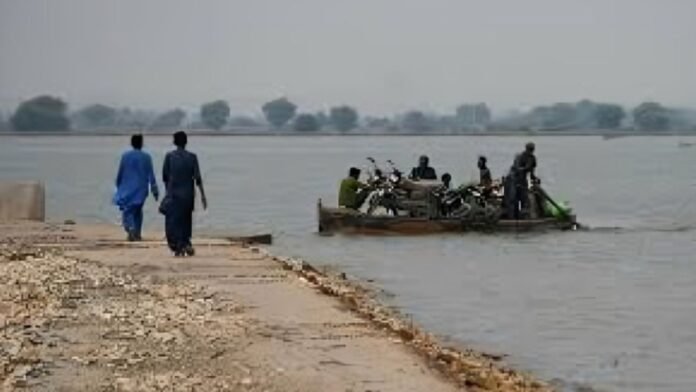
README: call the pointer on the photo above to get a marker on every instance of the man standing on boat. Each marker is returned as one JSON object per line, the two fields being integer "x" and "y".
{"x": 485, "y": 177}
{"x": 524, "y": 167}
{"x": 352, "y": 193}
{"x": 423, "y": 171}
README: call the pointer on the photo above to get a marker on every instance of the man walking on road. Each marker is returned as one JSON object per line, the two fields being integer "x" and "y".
{"x": 181, "y": 174}
{"x": 135, "y": 173}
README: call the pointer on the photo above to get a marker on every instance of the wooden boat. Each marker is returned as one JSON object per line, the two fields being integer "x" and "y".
{"x": 344, "y": 220}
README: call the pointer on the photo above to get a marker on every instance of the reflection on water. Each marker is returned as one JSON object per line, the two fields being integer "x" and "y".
{"x": 614, "y": 306}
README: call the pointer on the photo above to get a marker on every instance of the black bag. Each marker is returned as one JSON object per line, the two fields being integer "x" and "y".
{"x": 165, "y": 205}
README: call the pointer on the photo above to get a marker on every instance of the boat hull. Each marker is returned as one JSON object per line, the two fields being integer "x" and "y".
{"x": 333, "y": 220}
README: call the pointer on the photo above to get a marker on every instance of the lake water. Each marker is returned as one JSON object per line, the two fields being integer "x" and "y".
{"x": 613, "y": 307}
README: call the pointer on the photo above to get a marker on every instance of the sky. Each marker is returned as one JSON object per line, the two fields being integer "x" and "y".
{"x": 382, "y": 56}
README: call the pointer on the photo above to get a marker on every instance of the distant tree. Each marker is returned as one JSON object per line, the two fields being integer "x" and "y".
{"x": 472, "y": 116}
{"x": 42, "y": 113}
{"x": 214, "y": 114}
{"x": 3, "y": 124}
{"x": 586, "y": 114}
{"x": 95, "y": 116}
{"x": 379, "y": 123}
{"x": 608, "y": 115}
{"x": 449, "y": 122}
{"x": 416, "y": 121}
{"x": 682, "y": 118}
{"x": 651, "y": 116}
{"x": 557, "y": 116}
{"x": 306, "y": 123}
{"x": 244, "y": 122}
{"x": 563, "y": 115}
{"x": 538, "y": 116}
{"x": 279, "y": 111}
{"x": 169, "y": 119}
{"x": 127, "y": 118}
{"x": 343, "y": 118}
{"x": 322, "y": 119}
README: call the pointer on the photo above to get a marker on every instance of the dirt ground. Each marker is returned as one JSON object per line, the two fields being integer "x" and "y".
{"x": 99, "y": 314}
{"x": 81, "y": 310}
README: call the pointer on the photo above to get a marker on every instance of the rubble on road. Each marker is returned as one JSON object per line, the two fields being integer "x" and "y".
{"x": 126, "y": 333}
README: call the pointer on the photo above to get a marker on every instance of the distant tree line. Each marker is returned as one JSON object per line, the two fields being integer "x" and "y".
{"x": 569, "y": 116}
{"x": 48, "y": 113}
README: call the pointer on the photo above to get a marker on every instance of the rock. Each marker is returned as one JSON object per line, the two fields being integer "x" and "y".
{"x": 11, "y": 348}
{"x": 134, "y": 361}
{"x": 164, "y": 337}
{"x": 20, "y": 375}
{"x": 246, "y": 381}
{"x": 163, "y": 380}
{"x": 124, "y": 384}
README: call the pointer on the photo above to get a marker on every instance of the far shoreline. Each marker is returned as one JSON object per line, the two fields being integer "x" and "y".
{"x": 266, "y": 133}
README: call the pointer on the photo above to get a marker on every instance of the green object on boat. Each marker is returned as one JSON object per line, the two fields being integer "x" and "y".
{"x": 557, "y": 213}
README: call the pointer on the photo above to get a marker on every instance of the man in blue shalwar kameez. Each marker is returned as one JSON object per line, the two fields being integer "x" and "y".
{"x": 135, "y": 174}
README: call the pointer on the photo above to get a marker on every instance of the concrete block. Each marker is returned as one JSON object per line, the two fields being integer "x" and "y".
{"x": 22, "y": 200}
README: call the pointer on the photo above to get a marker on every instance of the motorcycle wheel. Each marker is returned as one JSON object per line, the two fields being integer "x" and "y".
{"x": 492, "y": 214}
{"x": 478, "y": 216}
{"x": 463, "y": 212}
{"x": 372, "y": 206}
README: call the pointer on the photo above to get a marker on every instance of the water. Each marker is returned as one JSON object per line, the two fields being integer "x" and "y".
{"x": 613, "y": 307}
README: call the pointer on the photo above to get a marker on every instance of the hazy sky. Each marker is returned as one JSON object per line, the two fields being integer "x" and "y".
{"x": 380, "y": 55}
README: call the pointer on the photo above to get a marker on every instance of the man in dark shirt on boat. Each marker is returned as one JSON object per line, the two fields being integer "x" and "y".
{"x": 523, "y": 167}
{"x": 526, "y": 163}
{"x": 352, "y": 193}
{"x": 485, "y": 178}
{"x": 446, "y": 181}
{"x": 423, "y": 171}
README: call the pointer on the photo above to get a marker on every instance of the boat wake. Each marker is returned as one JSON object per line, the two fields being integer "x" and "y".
{"x": 671, "y": 228}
